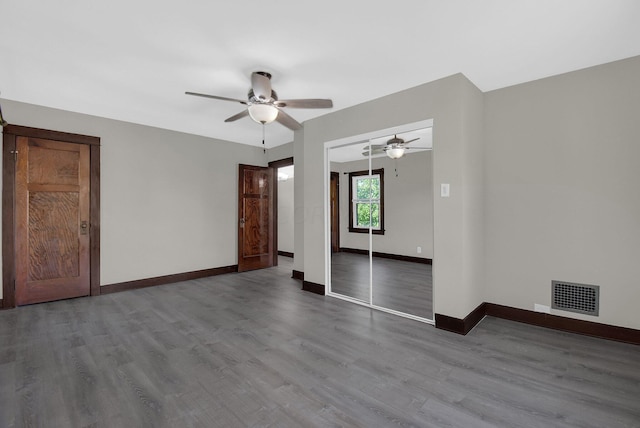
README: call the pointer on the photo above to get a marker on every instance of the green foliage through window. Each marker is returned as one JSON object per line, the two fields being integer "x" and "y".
{"x": 366, "y": 212}
{"x": 368, "y": 188}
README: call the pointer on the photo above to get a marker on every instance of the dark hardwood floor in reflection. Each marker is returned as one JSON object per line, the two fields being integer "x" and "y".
{"x": 253, "y": 350}
{"x": 402, "y": 286}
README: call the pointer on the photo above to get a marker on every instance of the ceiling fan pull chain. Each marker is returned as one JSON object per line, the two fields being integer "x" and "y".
{"x": 264, "y": 148}
{"x": 395, "y": 166}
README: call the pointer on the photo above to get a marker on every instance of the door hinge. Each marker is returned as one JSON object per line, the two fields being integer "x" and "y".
{"x": 15, "y": 154}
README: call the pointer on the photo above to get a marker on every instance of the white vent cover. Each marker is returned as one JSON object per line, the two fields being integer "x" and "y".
{"x": 572, "y": 297}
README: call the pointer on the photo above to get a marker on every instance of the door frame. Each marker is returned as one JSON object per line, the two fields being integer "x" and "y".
{"x": 275, "y": 165}
{"x": 359, "y": 139}
{"x": 9, "y": 136}
{"x": 334, "y": 221}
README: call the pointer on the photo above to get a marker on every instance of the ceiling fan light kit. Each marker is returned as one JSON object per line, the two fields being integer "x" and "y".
{"x": 263, "y": 113}
{"x": 395, "y": 152}
{"x": 263, "y": 105}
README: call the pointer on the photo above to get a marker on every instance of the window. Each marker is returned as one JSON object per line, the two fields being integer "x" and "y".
{"x": 366, "y": 193}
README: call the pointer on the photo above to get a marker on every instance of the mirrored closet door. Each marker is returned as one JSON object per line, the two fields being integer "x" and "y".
{"x": 381, "y": 222}
{"x": 350, "y": 265}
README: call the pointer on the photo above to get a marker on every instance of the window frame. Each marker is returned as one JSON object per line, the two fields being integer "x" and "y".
{"x": 353, "y": 228}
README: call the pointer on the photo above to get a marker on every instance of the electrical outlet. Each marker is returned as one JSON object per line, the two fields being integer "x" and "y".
{"x": 419, "y": 250}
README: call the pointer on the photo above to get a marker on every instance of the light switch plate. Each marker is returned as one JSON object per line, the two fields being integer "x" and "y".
{"x": 444, "y": 190}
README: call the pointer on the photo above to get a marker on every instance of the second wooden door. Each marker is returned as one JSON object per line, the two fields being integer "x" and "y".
{"x": 255, "y": 212}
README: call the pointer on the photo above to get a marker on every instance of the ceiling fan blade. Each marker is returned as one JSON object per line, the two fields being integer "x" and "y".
{"x": 418, "y": 148}
{"x": 288, "y": 121}
{"x": 215, "y": 97}
{"x": 373, "y": 152}
{"x": 378, "y": 146}
{"x": 306, "y": 103}
{"x": 235, "y": 117}
{"x": 410, "y": 141}
{"x": 261, "y": 85}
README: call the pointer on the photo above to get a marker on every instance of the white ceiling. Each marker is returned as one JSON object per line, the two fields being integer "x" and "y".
{"x": 133, "y": 60}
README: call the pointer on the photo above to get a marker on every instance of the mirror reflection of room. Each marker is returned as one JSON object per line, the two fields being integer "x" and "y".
{"x": 381, "y": 206}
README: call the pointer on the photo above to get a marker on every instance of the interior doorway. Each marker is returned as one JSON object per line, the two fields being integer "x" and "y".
{"x": 284, "y": 207}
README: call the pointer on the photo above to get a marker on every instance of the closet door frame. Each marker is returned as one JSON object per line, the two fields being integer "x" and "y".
{"x": 362, "y": 139}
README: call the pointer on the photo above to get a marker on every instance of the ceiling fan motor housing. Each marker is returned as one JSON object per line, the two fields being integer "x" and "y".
{"x": 253, "y": 99}
{"x": 395, "y": 140}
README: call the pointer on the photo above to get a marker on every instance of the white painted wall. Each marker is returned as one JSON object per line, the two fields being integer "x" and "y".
{"x": 408, "y": 208}
{"x": 168, "y": 200}
{"x": 562, "y": 189}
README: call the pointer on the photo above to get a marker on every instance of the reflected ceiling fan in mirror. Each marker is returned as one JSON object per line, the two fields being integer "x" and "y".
{"x": 263, "y": 105}
{"x": 394, "y": 148}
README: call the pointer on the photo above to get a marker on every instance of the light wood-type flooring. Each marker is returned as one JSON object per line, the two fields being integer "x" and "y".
{"x": 253, "y": 350}
{"x": 399, "y": 285}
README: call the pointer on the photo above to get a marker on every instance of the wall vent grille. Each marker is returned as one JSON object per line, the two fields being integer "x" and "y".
{"x": 572, "y": 297}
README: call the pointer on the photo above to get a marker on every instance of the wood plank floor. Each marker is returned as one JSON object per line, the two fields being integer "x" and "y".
{"x": 253, "y": 350}
{"x": 399, "y": 285}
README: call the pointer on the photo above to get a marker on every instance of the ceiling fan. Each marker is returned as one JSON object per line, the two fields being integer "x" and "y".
{"x": 263, "y": 105}
{"x": 394, "y": 148}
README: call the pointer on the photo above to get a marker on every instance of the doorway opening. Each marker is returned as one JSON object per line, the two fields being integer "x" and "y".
{"x": 283, "y": 220}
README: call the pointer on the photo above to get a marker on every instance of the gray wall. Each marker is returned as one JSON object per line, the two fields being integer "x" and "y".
{"x": 455, "y": 106}
{"x": 298, "y": 200}
{"x": 408, "y": 201}
{"x": 283, "y": 151}
{"x": 562, "y": 189}
{"x": 544, "y": 185}
{"x": 168, "y": 200}
{"x": 543, "y": 178}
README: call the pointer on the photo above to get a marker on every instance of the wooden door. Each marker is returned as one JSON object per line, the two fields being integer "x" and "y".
{"x": 334, "y": 196}
{"x": 255, "y": 217}
{"x": 52, "y": 220}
